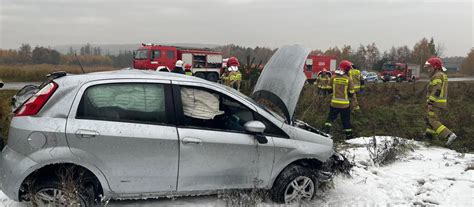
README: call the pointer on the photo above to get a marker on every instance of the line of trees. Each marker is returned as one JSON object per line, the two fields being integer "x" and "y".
{"x": 89, "y": 56}
{"x": 365, "y": 56}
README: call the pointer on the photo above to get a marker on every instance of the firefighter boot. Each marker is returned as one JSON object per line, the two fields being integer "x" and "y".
{"x": 451, "y": 138}
{"x": 327, "y": 128}
{"x": 349, "y": 134}
{"x": 429, "y": 134}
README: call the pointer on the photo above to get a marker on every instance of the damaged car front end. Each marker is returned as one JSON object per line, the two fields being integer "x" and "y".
{"x": 281, "y": 83}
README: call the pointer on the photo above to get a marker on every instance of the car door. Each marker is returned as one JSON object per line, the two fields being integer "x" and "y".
{"x": 215, "y": 150}
{"x": 126, "y": 128}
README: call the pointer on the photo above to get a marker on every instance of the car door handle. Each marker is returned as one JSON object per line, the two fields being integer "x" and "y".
{"x": 84, "y": 133}
{"x": 189, "y": 140}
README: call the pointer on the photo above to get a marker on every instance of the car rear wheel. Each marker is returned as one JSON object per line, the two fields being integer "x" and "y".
{"x": 294, "y": 185}
{"x": 54, "y": 193}
{"x": 200, "y": 75}
{"x": 214, "y": 77}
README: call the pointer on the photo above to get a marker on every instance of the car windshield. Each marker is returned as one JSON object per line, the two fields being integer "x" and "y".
{"x": 265, "y": 108}
{"x": 388, "y": 67}
{"x": 141, "y": 54}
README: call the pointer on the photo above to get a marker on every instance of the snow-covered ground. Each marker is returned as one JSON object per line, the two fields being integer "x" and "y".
{"x": 427, "y": 176}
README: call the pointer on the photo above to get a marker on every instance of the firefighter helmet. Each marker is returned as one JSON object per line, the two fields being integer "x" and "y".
{"x": 187, "y": 66}
{"x": 436, "y": 63}
{"x": 179, "y": 63}
{"x": 345, "y": 65}
{"x": 233, "y": 61}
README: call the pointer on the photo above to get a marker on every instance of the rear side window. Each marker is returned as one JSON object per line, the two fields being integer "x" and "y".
{"x": 126, "y": 102}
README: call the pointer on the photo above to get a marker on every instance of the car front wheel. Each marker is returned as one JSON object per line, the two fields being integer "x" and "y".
{"x": 294, "y": 185}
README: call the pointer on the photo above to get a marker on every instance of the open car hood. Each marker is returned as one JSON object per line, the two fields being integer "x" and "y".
{"x": 282, "y": 79}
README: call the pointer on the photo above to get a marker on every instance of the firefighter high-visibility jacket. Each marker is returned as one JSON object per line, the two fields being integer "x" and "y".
{"x": 235, "y": 76}
{"x": 356, "y": 77}
{"x": 437, "y": 94}
{"x": 188, "y": 72}
{"x": 342, "y": 90}
{"x": 324, "y": 78}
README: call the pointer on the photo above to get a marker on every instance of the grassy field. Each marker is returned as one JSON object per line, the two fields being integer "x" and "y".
{"x": 394, "y": 109}
{"x": 397, "y": 109}
{"x": 37, "y": 73}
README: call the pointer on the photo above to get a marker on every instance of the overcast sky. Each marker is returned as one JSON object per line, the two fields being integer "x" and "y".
{"x": 317, "y": 24}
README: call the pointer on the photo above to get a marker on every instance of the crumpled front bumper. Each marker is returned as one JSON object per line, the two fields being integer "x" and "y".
{"x": 13, "y": 169}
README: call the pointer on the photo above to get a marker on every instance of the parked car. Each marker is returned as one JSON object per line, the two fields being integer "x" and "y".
{"x": 370, "y": 76}
{"x": 132, "y": 134}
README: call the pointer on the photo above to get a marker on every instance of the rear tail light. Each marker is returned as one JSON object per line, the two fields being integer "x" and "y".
{"x": 37, "y": 101}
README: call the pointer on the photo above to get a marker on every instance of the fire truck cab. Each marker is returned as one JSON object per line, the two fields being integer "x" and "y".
{"x": 316, "y": 63}
{"x": 205, "y": 63}
{"x": 400, "y": 72}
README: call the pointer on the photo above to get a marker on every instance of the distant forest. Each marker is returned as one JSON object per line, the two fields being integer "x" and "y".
{"x": 367, "y": 57}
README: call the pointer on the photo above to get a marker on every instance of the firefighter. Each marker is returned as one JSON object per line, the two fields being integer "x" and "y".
{"x": 187, "y": 69}
{"x": 178, "y": 67}
{"x": 324, "y": 77}
{"x": 342, "y": 92}
{"x": 356, "y": 77}
{"x": 235, "y": 77}
{"x": 436, "y": 101}
{"x": 361, "y": 86}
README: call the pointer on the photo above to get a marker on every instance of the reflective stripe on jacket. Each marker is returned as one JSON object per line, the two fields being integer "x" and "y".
{"x": 342, "y": 85}
{"x": 235, "y": 76}
{"x": 437, "y": 94}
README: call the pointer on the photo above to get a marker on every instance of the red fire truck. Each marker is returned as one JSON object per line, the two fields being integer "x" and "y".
{"x": 316, "y": 63}
{"x": 400, "y": 72}
{"x": 205, "y": 63}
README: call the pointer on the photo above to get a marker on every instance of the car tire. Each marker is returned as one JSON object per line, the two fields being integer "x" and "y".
{"x": 51, "y": 192}
{"x": 200, "y": 75}
{"x": 214, "y": 77}
{"x": 294, "y": 185}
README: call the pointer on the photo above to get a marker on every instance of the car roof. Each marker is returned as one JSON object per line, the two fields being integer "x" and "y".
{"x": 135, "y": 74}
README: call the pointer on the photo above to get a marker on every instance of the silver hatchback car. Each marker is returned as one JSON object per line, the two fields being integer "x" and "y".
{"x": 136, "y": 134}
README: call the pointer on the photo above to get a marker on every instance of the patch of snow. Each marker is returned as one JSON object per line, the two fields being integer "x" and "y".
{"x": 427, "y": 176}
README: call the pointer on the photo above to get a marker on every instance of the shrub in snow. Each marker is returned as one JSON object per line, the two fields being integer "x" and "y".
{"x": 386, "y": 151}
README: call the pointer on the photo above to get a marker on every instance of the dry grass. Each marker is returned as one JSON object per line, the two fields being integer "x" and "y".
{"x": 37, "y": 73}
{"x": 5, "y": 115}
{"x": 397, "y": 109}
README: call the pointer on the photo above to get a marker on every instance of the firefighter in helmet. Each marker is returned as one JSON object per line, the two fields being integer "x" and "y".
{"x": 356, "y": 76}
{"x": 178, "y": 67}
{"x": 324, "y": 77}
{"x": 235, "y": 77}
{"x": 187, "y": 69}
{"x": 436, "y": 101}
{"x": 342, "y": 93}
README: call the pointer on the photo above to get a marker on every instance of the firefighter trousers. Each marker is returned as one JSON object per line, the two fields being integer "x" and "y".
{"x": 345, "y": 118}
{"x": 434, "y": 126}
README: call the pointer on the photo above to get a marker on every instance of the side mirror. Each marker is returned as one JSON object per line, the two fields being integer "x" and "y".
{"x": 257, "y": 128}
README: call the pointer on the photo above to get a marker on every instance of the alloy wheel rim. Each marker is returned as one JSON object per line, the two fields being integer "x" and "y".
{"x": 57, "y": 197}
{"x": 299, "y": 189}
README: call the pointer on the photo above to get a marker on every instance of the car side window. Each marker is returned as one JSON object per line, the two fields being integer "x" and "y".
{"x": 204, "y": 108}
{"x": 126, "y": 102}
{"x": 270, "y": 128}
